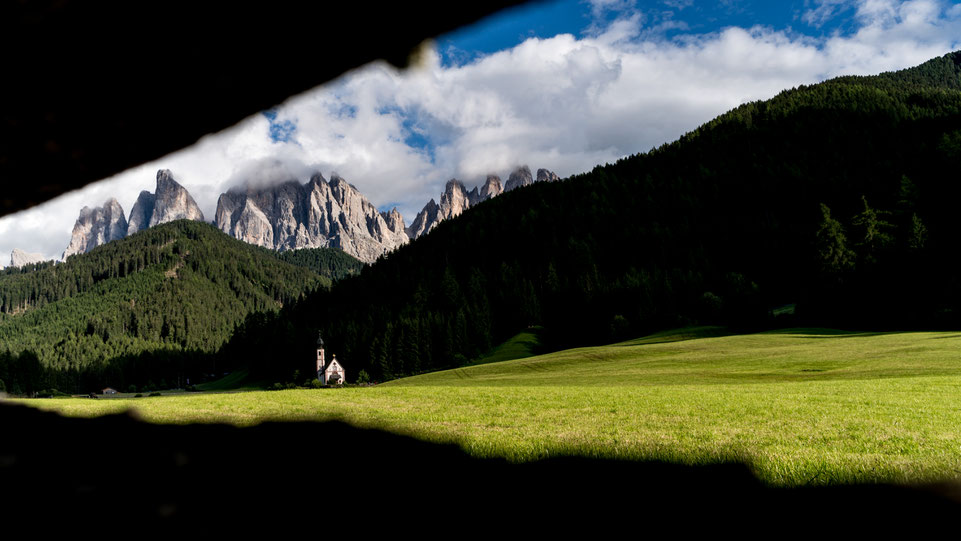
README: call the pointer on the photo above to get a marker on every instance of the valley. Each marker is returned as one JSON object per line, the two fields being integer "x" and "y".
{"x": 799, "y": 406}
{"x": 373, "y": 304}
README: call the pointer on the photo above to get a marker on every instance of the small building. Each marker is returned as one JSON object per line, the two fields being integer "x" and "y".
{"x": 328, "y": 374}
{"x": 109, "y": 390}
{"x": 334, "y": 373}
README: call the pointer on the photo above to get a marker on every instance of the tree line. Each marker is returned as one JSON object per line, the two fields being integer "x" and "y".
{"x": 154, "y": 306}
{"x": 837, "y": 198}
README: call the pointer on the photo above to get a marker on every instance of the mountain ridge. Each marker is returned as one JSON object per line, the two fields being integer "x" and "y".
{"x": 319, "y": 213}
{"x": 742, "y": 215}
{"x": 456, "y": 199}
{"x": 171, "y": 295}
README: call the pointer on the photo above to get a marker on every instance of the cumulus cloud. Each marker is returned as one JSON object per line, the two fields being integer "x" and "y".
{"x": 565, "y": 103}
{"x": 267, "y": 172}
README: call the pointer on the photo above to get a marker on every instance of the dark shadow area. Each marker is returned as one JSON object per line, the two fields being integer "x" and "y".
{"x": 119, "y": 474}
{"x": 943, "y": 337}
{"x": 834, "y": 333}
{"x": 676, "y": 335}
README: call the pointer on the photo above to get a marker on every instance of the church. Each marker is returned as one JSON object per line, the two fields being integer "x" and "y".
{"x": 328, "y": 374}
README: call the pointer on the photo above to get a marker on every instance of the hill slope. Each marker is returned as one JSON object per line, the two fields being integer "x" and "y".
{"x": 800, "y": 406}
{"x": 837, "y": 197}
{"x": 151, "y": 306}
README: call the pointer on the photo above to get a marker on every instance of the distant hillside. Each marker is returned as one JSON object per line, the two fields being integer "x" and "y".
{"x": 838, "y": 198}
{"x": 148, "y": 307}
{"x": 331, "y": 263}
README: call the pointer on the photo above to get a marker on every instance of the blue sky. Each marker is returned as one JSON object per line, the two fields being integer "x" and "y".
{"x": 545, "y": 19}
{"x": 561, "y": 85}
{"x": 578, "y": 17}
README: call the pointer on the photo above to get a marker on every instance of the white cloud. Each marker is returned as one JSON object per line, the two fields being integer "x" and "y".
{"x": 600, "y": 7}
{"x": 824, "y": 11}
{"x": 564, "y": 103}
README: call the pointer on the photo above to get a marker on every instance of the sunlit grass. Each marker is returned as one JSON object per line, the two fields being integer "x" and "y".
{"x": 800, "y": 406}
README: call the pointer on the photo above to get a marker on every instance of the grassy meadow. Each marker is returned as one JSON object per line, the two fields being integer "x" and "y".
{"x": 801, "y": 406}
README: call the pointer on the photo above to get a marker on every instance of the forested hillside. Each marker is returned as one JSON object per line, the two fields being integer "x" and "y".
{"x": 331, "y": 263}
{"x": 831, "y": 203}
{"x": 150, "y": 307}
{"x": 836, "y": 201}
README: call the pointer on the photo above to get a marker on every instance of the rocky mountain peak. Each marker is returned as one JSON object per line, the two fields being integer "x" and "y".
{"x": 140, "y": 213}
{"x": 19, "y": 258}
{"x": 165, "y": 181}
{"x": 492, "y": 187}
{"x": 337, "y": 181}
{"x": 454, "y": 185}
{"x": 95, "y": 226}
{"x": 543, "y": 175}
{"x": 520, "y": 177}
{"x": 425, "y": 220}
{"x": 318, "y": 213}
{"x": 172, "y": 201}
{"x": 456, "y": 199}
{"x": 394, "y": 220}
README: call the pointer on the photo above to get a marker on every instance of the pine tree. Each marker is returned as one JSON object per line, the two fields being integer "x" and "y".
{"x": 874, "y": 232}
{"x": 918, "y": 235}
{"x": 833, "y": 253}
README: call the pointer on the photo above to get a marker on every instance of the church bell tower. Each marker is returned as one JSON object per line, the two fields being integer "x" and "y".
{"x": 320, "y": 357}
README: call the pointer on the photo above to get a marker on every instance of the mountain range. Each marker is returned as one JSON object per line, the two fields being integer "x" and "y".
{"x": 456, "y": 199}
{"x": 153, "y": 305}
{"x": 170, "y": 201}
{"x": 829, "y": 205}
{"x": 290, "y": 215}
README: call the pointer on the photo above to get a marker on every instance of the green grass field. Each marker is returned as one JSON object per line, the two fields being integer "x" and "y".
{"x": 805, "y": 406}
{"x": 520, "y": 346}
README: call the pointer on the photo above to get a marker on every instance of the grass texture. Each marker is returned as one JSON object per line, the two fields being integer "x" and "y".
{"x": 800, "y": 406}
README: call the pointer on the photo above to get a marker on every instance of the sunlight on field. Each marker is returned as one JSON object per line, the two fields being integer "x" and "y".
{"x": 801, "y": 406}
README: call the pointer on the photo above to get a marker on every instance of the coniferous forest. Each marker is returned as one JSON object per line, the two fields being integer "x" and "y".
{"x": 827, "y": 205}
{"x": 148, "y": 310}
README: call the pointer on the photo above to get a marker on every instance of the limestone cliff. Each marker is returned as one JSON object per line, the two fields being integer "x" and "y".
{"x": 519, "y": 178}
{"x": 96, "y": 226}
{"x": 19, "y": 258}
{"x": 316, "y": 214}
{"x": 456, "y": 199}
{"x": 170, "y": 201}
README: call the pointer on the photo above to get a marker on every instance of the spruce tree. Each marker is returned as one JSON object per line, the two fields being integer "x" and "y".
{"x": 874, "y": 230}
{"x": 833, "y": 253}
{"x": 918, "y": 235}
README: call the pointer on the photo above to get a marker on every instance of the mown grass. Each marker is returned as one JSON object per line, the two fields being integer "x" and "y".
{"x": 520, "y": 346}
{"x": 803, "y": 406}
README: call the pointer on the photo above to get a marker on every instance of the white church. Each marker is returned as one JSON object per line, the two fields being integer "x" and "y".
{"x": 328, "y": 374}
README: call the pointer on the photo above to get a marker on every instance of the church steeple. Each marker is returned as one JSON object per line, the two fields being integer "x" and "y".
{"x": 320, "y": 357}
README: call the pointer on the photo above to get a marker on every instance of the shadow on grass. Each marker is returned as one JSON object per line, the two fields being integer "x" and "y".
{"x": 524, "y": 344}
{"x": 118, "y": 471}
{"x": 677, "y": 335}
{"x": 817, "y": 332}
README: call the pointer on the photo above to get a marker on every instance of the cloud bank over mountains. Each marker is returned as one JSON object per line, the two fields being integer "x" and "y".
{"x": 629, "y": 82}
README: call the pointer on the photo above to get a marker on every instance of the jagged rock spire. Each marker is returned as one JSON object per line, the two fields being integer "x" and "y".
{"x": 319, "y": 213}
{"x": 96, "y": 226}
